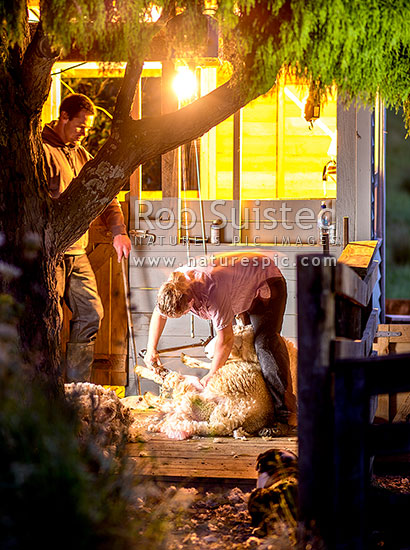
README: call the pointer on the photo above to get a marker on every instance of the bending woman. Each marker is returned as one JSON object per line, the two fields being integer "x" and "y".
{"x": 232, "y": 284}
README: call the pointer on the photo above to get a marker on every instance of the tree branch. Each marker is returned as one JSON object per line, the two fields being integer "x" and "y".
{"x": 139, "y": 141}
{"x": 164, "y": 133}
{"x": 126, "y": 94}
{"x": 136, "y": 142}
{"x": 134, "y": 68}
{"x": 36, "y": 70}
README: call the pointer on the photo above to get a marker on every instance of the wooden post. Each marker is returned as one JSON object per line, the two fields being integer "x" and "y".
{"x": 325, "y": 243}
{"x": 135, "y": 178}
{"x": 316, "y": 330}
{"x": 237, "y": 174}
{"x": 169, "y": 104}
{"x": 345, "y": 231}
{"x": 351, "y": 459}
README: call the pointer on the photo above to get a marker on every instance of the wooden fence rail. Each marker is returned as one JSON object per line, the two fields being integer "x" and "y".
{"x": 357, "y": 440}
{"x": 338, "y": 380}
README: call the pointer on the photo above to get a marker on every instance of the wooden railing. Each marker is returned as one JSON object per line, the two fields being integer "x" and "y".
{"x": 357, "y": 440}
{"x": 338, "y": 377}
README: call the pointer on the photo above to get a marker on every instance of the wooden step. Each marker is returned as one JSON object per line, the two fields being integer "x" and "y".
{"x": 204, "y": 457}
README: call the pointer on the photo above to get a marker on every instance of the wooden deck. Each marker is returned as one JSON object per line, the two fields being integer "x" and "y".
{"x": 205, "y": 460}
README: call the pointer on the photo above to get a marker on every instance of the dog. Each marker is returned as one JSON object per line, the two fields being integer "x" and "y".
{"x": 276, "y": 495}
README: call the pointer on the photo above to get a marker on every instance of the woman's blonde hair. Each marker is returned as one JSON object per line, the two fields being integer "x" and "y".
{"x": 174, "y": 295}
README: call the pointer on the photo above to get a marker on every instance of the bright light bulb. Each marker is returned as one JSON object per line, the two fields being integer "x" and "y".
{"x": 184, "y": 83}
{"x": 152, "y": 13}
{"x": 155, "y": 13}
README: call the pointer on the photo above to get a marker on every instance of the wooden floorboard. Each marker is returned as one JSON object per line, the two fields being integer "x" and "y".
{"x": 222, "y": 458}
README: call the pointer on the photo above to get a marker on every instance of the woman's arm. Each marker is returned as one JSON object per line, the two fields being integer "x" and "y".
{"x": 223, "y": 347}
{"x": 156, "y": 328}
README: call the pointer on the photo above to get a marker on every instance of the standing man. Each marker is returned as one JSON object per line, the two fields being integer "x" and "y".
{"x": 238, "y": 283}
{"x": 75, "y": 278}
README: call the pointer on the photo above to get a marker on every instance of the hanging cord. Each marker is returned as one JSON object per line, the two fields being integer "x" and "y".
{"x": 201, "y": 204}
{"x": 184, "y": 186}
{"x": 201, "y": 209}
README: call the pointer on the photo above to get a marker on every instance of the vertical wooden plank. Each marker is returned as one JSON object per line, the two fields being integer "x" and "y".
{"x": 52, "y": 104}
{"x": 378, "y": 300}
{"x": 104, "y": 284}
{"x": 351, "y": 461}
{"x": 237, "y": 173}
{"x": 364, "y": 166}
{"x": 169, "y": 103}
{"x": 346, "y": 168}
{"x": 135, "y": 178}
{"x": 380, "y": 197}
{"x": 392, "y": 406}
{"x": 280, "y": 139}
{"x": 208, "y": 142}
{"x": 345, "y": 231}
{"x": 383, "y": 345}
{"x": 237, "y": 154}
{"x": 383, "y": 342}
{"x": 316, "y": 330}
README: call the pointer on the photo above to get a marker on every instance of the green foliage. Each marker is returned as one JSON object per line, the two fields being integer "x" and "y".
{"x": 58, "y": 490}
{"x": 363, "y": 47}
{"x": 358, "y": 45}
{"x": 13, "y": 17}
{"x": 119, "y": 30}
{"x": 116, "y": 28}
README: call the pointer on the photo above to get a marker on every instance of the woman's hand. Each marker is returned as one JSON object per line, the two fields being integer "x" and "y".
{"x": 223, "y": 347}
{"x": 206, "y": 379}
{"x": 151, "y": 359}
{"x": 156, "y": 327}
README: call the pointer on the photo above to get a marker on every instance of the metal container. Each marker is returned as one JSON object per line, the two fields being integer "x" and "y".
{"x": 216, "y": 230}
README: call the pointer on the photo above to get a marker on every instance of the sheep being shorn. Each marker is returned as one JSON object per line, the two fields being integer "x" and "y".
{"x": 235, "y": 397}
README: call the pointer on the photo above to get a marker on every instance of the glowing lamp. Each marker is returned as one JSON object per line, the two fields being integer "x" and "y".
{"x": 184, "y": 84}
{"x": 152, "y": 13}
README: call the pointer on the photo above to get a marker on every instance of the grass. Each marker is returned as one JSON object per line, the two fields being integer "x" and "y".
{"x": 397, "y": 208}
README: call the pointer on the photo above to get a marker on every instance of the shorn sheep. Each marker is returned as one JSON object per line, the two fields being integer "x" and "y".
{"x": 235, "y": 397}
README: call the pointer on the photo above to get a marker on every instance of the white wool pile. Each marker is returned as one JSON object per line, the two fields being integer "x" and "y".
{"x": 101, "y": 413}
{"x": 236, "y": 397}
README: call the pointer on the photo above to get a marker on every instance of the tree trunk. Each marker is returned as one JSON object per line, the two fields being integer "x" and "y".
{"x": 37, "y": 229}
{"x": 40, "y": 324}
{"x": 28, "y": 249}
